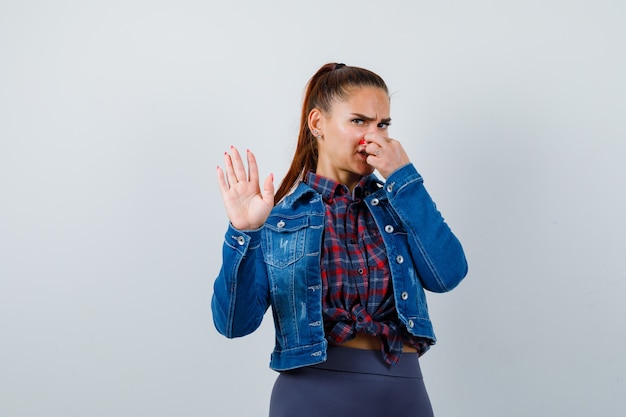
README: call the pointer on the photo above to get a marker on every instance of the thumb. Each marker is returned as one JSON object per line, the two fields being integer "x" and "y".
{"x": 268, "y": 189}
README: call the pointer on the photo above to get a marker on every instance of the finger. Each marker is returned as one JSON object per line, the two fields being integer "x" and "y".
{"x": 238, "y": 166}
{"x": 373, "y": 161}
{"x": 253, "y": 168}
{"x": 231, "y": 178}
{"x": 221, "y": 181}
{"x": 373, "y": 149}
{"x": 375, "y": 138}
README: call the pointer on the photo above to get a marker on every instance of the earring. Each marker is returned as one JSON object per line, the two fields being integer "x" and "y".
{"x": 317, "y": 134}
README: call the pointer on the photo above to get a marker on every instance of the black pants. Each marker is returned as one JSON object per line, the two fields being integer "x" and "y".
{"x": 352, "y": 382}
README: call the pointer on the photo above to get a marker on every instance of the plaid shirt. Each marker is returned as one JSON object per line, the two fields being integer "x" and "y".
{"x": 356, "y": 278}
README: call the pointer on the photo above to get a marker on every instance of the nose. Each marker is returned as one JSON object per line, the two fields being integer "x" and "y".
{"x": 370, "y": 134}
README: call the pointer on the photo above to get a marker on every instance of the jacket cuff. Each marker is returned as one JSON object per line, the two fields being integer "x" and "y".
{"x": 400, "y": 178}
{"x": 242, "y": 240}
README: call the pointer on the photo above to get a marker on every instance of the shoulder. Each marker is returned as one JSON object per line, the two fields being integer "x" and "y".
{"x": 302, "y": 208}
{"x": 302, "y": 194}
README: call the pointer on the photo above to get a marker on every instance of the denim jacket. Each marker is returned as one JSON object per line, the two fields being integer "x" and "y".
{"x": 279, "y": 265}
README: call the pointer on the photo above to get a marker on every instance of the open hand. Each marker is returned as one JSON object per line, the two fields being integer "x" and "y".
{"x": 247, "y": 206}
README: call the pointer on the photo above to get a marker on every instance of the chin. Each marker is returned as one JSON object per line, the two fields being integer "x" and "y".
{"x": 367, "y": 171}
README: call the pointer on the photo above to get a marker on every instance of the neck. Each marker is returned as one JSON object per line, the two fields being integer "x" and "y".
{"x": 349, "y": 179}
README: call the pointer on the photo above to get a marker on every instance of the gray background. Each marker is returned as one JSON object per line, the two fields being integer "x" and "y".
{"x": 114, "y": 115}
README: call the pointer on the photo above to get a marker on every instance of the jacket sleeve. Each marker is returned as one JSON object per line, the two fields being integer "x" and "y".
{"x": 241, "y": 291}
{"x": 437, "y": 253}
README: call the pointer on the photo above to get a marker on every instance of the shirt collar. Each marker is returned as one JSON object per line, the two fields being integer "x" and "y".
{"x": 330, "y": 188}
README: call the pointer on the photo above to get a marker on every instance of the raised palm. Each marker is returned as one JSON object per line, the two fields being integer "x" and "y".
{"x": 247, "y": 205}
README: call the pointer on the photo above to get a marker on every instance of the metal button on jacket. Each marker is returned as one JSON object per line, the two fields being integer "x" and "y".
{"x": 241, "y": 240}
{"x": 375, "y": 201}
{"x": 404, "y": 295}
{"x": 399, "y": 259}
{"x": 389, "y": 228}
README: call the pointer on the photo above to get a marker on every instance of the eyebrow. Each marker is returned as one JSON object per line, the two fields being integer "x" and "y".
{"x": 371, "y": 119}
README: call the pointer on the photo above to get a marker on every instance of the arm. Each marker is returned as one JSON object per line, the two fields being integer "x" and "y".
{"x": 240, "y": 292}
{"x": 436, "y": 251}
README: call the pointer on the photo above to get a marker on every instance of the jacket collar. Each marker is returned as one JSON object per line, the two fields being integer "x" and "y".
{"x": 303, "y": 190}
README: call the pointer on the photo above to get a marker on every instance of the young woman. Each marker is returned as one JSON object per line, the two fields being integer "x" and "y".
{"x": 342, "y": 258}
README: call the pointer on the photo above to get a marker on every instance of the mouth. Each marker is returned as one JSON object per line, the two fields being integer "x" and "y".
{"x": 363, "y": 155}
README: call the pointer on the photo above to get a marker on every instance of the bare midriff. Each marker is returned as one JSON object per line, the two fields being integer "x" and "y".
{"x": 368, "y": 342}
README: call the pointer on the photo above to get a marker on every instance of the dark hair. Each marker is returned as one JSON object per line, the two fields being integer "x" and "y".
{"x": 330, "y": 83}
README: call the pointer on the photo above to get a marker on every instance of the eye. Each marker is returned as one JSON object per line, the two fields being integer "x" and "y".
{"x": 384, "y": 125}
{"x": 358, "y": 121}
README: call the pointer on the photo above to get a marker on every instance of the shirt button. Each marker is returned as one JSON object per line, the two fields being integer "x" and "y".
{"x": 281, "y": 224}
{"x": 404, "y": 295}
{"x": 375, "y": 202}
{"x": 389, "y": 228}
{"x": 360, "y": 271}
{"x": 399, "y": 259}
{"x": 241, "y": 240}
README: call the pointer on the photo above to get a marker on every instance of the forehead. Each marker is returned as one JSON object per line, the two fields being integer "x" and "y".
{"x": 364, "y": 100}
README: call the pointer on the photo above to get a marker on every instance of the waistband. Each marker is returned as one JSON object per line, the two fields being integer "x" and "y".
{"x": 364, "y": 361}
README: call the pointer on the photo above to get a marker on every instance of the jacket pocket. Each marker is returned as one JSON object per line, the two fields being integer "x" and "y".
{"x": 285, "y": 240}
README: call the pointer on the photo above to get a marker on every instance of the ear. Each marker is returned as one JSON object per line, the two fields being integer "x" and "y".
{"x": 316, "y": 122}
